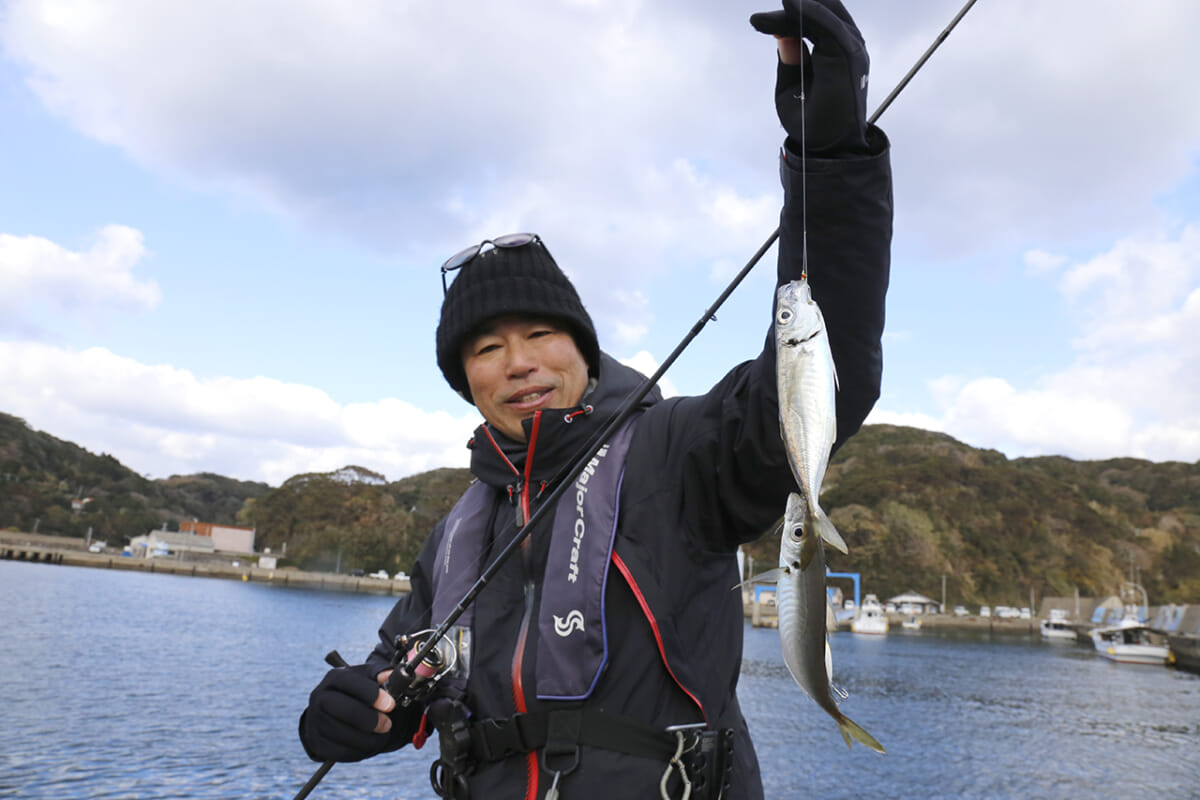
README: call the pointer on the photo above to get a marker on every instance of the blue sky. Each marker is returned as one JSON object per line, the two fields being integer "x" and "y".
{"x": 220, "y": 223}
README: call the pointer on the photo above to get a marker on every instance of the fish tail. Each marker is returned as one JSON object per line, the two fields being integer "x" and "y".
{"x": 824, "y": 528}
{"x": 852, "y": 730}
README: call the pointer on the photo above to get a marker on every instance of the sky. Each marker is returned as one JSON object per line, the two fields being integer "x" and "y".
{"x": 221, "y": 223}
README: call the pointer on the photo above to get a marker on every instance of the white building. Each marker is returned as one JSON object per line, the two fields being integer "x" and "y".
{"x": 158, "y": 544}
{"x": 913, "y": 603}
{"x": 195, "y": 537}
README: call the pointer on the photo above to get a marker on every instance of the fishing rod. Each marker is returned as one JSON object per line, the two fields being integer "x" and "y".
{"x": 334, "y": 659}
{"x": 636, "y": 397}
{"x": 403, "y": 675}
{"x": 407, "y": 670}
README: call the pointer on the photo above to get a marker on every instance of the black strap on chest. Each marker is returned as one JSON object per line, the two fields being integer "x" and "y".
{"x": 704, "y": 758}
{"x": 560, "y": 732}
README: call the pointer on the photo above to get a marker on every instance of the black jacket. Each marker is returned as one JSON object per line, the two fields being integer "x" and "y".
{"x": 703, "y": 475}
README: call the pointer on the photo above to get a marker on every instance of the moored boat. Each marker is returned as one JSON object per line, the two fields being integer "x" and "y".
{"x": 1132, "y": 641}
{"x": 871, "y": 618}
{"x": 1058, "y": 626}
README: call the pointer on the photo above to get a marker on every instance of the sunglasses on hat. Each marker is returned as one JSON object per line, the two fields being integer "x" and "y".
{"x": 468, "y": 254}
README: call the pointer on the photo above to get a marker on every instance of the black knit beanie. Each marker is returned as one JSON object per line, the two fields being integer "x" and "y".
{"x": 505, "y": 281}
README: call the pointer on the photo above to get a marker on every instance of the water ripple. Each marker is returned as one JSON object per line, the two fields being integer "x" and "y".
{"x": 179, "y": 687}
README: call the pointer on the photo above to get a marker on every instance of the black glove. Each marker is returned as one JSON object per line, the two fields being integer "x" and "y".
{"x": 835, "y": 76}
{"x": 339, "y": 723}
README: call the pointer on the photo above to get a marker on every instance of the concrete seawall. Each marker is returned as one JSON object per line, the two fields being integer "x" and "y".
{"x": 763, "y": 615}
{"x": 77, "y": 556}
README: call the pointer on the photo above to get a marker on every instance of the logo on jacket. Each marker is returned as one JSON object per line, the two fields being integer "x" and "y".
{"x": 581, "y": 490}
{"x": 573, "y": 622}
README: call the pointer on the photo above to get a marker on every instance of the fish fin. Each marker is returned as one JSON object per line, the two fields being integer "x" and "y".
{"x": 852, "y": 730}
{"x": 770, "y": 576}
{"x": 824, "y": 528}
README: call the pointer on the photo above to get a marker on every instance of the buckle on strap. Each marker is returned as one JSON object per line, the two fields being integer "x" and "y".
{"x": 563, "y": 731}
{"x": 498, "y": 739}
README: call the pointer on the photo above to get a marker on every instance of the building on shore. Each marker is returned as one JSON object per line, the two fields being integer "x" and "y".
{"x": 225, "y": 538}
{"x": 203, "y": 538}
{"x": 913, "y": 603}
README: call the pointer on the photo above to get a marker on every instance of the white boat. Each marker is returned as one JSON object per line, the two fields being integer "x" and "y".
{"x": 1131, "y": 641}
{"x": 911, "y": 623}
{"x": 1058, "y": 626}
{"x": 870, "y": 617}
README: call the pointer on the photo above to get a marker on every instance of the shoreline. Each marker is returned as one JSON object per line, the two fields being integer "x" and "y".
{"x": 27, "y": 548}
{"x": 764, "y": 617}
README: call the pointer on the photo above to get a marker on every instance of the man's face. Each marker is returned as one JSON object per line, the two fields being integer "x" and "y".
{"x": 518, "y": 365}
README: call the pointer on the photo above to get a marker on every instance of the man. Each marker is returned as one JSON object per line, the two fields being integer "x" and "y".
{"x": 611, "y": 641}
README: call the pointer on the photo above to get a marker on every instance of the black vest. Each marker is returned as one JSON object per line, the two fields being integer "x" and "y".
{"x": 572, "y": 639}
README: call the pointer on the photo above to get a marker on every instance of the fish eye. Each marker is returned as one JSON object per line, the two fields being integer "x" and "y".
{"x": 784, "y": 316}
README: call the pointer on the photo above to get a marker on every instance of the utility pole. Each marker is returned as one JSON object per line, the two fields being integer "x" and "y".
{"x": 943, "y": 594}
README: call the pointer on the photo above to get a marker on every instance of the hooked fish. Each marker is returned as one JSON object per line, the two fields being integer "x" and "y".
{"x": 807, "y": 383}
{"x": 803, "y": 607}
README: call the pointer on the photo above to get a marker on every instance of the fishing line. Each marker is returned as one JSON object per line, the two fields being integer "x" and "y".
{"x": 634, "y": 398}
{"x": 803, "y": 156}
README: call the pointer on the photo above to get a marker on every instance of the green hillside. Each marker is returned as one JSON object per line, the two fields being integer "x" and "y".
{"x": 40, "y": 477}
{"x": 913, "y": 506}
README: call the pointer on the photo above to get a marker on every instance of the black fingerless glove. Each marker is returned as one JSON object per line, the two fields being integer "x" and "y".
{"x": 339, "y": 723}
{"x": 835, "y": 77}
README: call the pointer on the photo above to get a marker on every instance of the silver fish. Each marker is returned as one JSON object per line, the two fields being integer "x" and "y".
{"x": 807, "y": 383}
{"x": 803, "y": 605}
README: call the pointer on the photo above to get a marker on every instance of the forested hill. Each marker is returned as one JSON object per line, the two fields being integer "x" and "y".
{"x": 41, "y": 476}
{"x": 913, "y": 506}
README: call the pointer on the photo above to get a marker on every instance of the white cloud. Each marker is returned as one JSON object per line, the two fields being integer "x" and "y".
{"x": 1040, "y": 262}
{"x": 353, "y": 120}
{"x": 644, "y": 151}
{"x": 166, "y": 420}
{"x": 1134, "y": 386}
{"x": 40, "y": 279}
{"x": 1030, "y": 94}
{"x": 647, "y": 364}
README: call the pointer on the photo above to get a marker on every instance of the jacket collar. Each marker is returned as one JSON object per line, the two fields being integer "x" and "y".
{"x": 558, "y": 436}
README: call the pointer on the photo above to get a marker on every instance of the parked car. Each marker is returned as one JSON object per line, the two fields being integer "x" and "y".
{"x": 401, "y": 575}
{"x": 985, "y": 611}
{"x": 1007, "y": 612}
{"x": 1025, "y": 613}
{"x": 379, "y": 573}
{"x": 961, "y": 611}
{"x": 356, "y": 573}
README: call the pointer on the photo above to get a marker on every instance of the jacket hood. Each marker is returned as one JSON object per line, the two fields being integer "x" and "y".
{"x": 561, "y": 433}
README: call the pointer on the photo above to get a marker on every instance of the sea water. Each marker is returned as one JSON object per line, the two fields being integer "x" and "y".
{"x": 121, "y": 684}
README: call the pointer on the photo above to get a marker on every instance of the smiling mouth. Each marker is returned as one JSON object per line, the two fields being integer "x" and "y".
{"x": 528, "y": 397}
